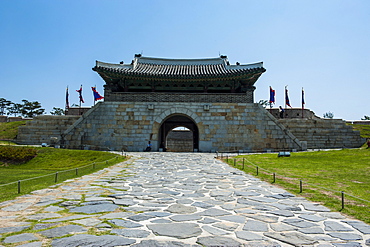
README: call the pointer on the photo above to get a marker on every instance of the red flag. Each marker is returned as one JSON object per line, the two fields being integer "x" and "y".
{"x": 97, "y": 96}
{"x": 80, "y": 94}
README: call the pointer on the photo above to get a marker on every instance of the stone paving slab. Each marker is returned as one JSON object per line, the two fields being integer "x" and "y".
{"x": 173, "y": 199}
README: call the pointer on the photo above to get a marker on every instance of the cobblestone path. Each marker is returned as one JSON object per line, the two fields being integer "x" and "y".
{"x": 172, "y": 199}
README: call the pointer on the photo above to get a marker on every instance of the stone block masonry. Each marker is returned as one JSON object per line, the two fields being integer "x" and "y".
{"x": 226, "y": 127}
{"x": 223, "y": 127}
{"x": 42, "y": 128}
{"x": 324, "y": 133}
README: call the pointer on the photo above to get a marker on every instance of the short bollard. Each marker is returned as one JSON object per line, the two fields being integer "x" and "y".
{"x": 56, "y": 177}
{"x": 234, "y": 162}
{"x": 227, "y": 158}
{"x": 300, "y": 186}
{"x": 342, "y": 200}
{"x": 257, "y": 170}
{"x": 19, "y": 186}
{"x": 243, "y": 163}
{"x": 274, "y": 178}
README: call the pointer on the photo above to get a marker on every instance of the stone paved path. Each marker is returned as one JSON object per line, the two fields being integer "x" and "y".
{"x": 172, "y": 199}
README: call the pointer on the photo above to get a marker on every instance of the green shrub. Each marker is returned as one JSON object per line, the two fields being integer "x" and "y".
{"x": 16, "y": 155}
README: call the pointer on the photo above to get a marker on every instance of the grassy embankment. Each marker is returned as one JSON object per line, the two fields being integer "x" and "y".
{"x": 9, "y": 131}
{"x": 15, "y": 165}
{"x": 363, "y": 128}
{"x": 324, "y": 175}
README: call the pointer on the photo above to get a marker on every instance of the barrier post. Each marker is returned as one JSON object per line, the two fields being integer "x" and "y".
{"x": 56, "y": 177}
{"x": 243, "y": 163}
{"x": 274, "y": 176}
{"x": 300, "y": 186}
{"x": 19, "y": 186}
{"x": 342, "y": 200}
{"x": 257, "y": 170}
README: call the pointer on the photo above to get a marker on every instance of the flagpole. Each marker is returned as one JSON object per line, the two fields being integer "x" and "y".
{"x": 79, "y": 111}
{"x": 285, "y": 95}
{"x": 93, "y": 95}
{"x": 302, "y": 102}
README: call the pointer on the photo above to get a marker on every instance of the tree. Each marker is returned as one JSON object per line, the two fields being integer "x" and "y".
{"x": 57, "y": 111}
{"x": 4, "y": 104}
{"x": 365, "y": 118}
{"x": 31, "y": 109}
{"x": 329, "y": 115}
{"x": 263, "y": 102}
{"x": 15, "y": 109}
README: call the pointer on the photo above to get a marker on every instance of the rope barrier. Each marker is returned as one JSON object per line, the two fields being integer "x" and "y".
{"x": 53, "y": 174}
{"x": 314, "y": 185}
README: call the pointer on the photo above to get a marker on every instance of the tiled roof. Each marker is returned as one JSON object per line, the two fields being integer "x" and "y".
{"x": 180, "y": 68}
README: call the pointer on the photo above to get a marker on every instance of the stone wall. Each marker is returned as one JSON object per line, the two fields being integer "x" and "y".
{"x": 324, "y": 133}
{"x": 226, "y": 127}
{"x": 77, "y": 110}
{"x": 180, "y": 141}
{"x": 294, "y": 113}
{"x": 44, "y": 127}
{"x": 5, "y": 119}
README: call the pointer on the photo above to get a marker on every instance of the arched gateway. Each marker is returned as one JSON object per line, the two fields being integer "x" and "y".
{"x": 183, "y": 140}
{"x": 148, "y": 98}
{"x": 212, "y": 99}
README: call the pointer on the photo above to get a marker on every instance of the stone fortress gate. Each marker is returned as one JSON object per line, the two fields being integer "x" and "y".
{"x": 212, "y": 99}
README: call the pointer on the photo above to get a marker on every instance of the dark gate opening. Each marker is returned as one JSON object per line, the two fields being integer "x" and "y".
{"x": 178, "y": 133}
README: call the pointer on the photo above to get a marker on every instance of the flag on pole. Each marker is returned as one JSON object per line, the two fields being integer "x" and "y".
{"x": 80, "y": 95}
{"x": 272, "y": 95}
{"x": 287, "y": 97}
{"x": 67, "y": 101}
{"x": 97, "y": 96}
{"x": 303, "y": 98}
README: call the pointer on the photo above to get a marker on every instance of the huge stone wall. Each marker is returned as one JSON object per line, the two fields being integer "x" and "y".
{"x": 227, "y": 127}
{"x": 324, "y": 133}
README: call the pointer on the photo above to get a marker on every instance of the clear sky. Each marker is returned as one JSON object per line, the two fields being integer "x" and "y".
{"x": 322, "y": 46}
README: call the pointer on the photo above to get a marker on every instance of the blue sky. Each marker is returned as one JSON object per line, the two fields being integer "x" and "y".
{"x": 322, "y": 46}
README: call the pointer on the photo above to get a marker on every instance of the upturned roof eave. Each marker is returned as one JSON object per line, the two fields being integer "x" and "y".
{"x": 133, "y": 75}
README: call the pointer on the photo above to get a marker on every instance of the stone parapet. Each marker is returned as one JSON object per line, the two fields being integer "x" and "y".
{"x": 294, "y": 113}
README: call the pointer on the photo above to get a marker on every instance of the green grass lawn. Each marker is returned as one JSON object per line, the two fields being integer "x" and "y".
{"x": 47, "y": 162}
{"x": 324, "y": 175}
{"x": 8, "y": 131}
